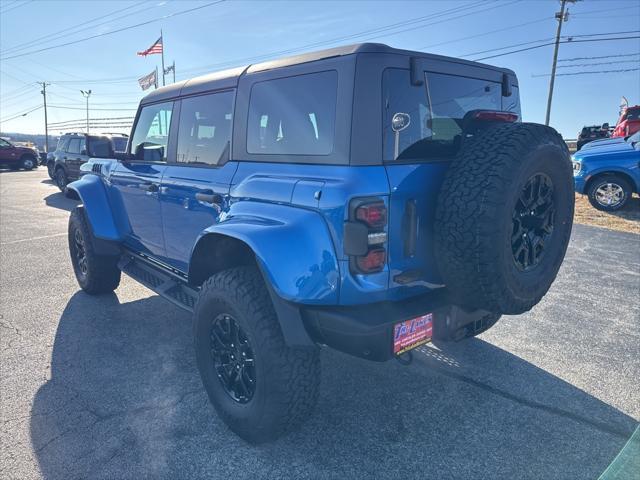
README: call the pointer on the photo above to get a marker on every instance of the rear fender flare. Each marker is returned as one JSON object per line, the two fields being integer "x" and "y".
{"x": 292, "y": 247}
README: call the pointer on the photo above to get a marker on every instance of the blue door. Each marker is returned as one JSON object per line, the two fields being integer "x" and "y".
{"x": 137, "y": 180}
{"x": 195, "y": 186}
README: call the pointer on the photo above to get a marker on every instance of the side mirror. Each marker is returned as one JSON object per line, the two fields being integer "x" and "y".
{"x": 149, "y": 152}
{"x": 100, "y": 148}
{"x": 400, "y": 121}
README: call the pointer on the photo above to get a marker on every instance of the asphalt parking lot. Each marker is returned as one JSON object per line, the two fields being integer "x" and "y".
{"x": 107, "y": 387}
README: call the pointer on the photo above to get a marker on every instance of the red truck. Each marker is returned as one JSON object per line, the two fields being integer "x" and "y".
{"x": 16, "y": 157}
{"x": 628, "y": 123}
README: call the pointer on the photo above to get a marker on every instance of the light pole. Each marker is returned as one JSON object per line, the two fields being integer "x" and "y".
{"x": 86, "y": 94}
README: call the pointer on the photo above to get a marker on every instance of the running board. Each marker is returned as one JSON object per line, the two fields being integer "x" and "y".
{"x": 164, "y": 283}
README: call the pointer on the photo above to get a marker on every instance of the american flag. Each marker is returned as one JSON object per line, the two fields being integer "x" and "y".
{"x": 155, "y": 48}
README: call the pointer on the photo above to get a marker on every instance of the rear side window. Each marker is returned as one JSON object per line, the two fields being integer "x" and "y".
{"x": 429, "y": 120}
{"x": 633, "y": 114}
{"x": 205, "y": 128}
{"x": 294, "y": 115}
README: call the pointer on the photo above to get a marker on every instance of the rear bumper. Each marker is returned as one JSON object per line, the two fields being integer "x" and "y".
{"x": 366, "y": 331}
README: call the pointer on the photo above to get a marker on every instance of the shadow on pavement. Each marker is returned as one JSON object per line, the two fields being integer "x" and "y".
{"x": 124, "y": 400}
{"x": 58, "y": 200}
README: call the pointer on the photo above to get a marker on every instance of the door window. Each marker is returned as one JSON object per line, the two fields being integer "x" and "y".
{"x": 150, "y": 138}
{"x": 204, "y": 132}
{"x": 4, "y": 144}
{"x": 293, "y": 115}
{"x": 74, "y": 146}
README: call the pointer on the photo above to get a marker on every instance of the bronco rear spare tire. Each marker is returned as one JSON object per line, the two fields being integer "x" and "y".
{"x": 504, "y": 217}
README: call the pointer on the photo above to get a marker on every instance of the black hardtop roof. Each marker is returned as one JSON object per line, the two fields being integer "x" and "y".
{"x": 229, "y": 78}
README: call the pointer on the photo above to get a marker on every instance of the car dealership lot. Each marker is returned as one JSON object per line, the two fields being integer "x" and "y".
{"x": 107, "y": 387}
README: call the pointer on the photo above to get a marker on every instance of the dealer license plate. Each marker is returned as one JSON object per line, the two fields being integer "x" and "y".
{"x": 412, "y": 333}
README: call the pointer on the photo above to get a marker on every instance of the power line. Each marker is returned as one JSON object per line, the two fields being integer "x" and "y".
{"x": 69, "y": 31}
{"x": 574, "y": 65}
{"x": 589, "y": 72}
{"x": 602, "y": 56}
{"x": 175, "y": 14}
{"x": 12, "y": 8}
{"x": 375, "y": 31}
{"x": 103, "y": 109}
{"x": 21, "y": 114}
{"x": 561, "y": 41}
{"x": 484, "y": 33}
{"x": 567, "y": 37}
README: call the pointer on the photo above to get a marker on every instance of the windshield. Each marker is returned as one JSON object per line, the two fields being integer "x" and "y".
{"x": 633, "y": 139}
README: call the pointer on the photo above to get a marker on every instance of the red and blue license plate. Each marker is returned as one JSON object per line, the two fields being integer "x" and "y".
{"x": 412, "y": 333}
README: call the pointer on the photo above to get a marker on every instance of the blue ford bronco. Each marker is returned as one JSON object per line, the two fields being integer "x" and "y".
{"x": 364, "y": 198}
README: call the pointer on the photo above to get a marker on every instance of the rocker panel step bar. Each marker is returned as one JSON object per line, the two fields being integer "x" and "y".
{"x": 165, "y": 283}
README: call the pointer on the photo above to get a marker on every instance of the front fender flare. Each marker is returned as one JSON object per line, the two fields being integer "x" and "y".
{"x": 292, "y": 246}
{"x": 93, "y": 194}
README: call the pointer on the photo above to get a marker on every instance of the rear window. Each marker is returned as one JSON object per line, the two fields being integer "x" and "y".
{"x": 293, "y": 115}
{"x": 432, "y": 125}
{"x": 633, "y": 114}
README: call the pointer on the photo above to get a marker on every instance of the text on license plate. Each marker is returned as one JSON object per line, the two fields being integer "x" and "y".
{"x": 412, "y": 333}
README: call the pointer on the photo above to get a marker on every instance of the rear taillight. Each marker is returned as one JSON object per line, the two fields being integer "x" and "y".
{"x": 496, "y": 116}
{"x": 365, "y": 235}
{"x": 373, "y": 214}
{"x": 373, "y": 261}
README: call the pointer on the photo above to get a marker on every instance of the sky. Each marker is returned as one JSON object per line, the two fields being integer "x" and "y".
{"x": 230, "y": 33}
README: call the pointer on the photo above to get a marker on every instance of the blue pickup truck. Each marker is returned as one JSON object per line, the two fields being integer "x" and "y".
{"x": 363, "y": 198}
{"x": 608, "y": 173}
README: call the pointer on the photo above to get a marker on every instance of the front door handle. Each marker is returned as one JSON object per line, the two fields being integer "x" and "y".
{"x": 209, "y": 197}
{"x": 152, "y": 187}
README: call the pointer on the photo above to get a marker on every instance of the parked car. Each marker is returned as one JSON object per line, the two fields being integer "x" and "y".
{"x": 589, "y": 134}
{"x": 628, "y": 123}
{"x": 364, "y": 198}
{"x": 609, "y": 174}
{"x": 75, "y": 149}
{"x": 16, "y": 157}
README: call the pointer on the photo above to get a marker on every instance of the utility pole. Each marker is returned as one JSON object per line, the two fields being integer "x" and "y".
{"x": 561, "y": 16}
{"x": 46, "y": 124}
{"x": 86, "y": 94}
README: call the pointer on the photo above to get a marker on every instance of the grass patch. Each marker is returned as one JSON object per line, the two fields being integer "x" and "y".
{"x": 625, "y": 220}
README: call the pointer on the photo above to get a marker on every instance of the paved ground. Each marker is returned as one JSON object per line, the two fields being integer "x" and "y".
{"x": 106, "y": 387}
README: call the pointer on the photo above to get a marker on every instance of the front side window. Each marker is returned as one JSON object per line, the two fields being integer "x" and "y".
{"x": 425, "y": 122}
{"x": 4, "y": 143}
{"x": 150, "y": 138}
{"x": 293, "y": 115}
{"x": 204, "y": 132}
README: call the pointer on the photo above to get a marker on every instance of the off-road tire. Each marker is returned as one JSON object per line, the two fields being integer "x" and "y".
{"x": 28, "y": 162}
{"x": 474, "y": 217}
{"x": 615, "y": 180}
{"x": 286, "y": 378}
{"x": 101, "y": 273}
{"x": 61, "y": 179}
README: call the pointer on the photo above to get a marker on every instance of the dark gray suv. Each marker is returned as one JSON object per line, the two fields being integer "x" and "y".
{"x": 74, "y": 149}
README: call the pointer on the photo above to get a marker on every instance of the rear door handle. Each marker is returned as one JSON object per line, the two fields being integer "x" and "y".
{"x": 152, "y": 187}
{"x": 209, "y": 197}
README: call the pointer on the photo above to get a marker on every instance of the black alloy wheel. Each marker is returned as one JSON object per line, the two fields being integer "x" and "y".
{"x": 79, "y": 252}
{"x": 233, "y": 358}
{"x": 533, "y": 218}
